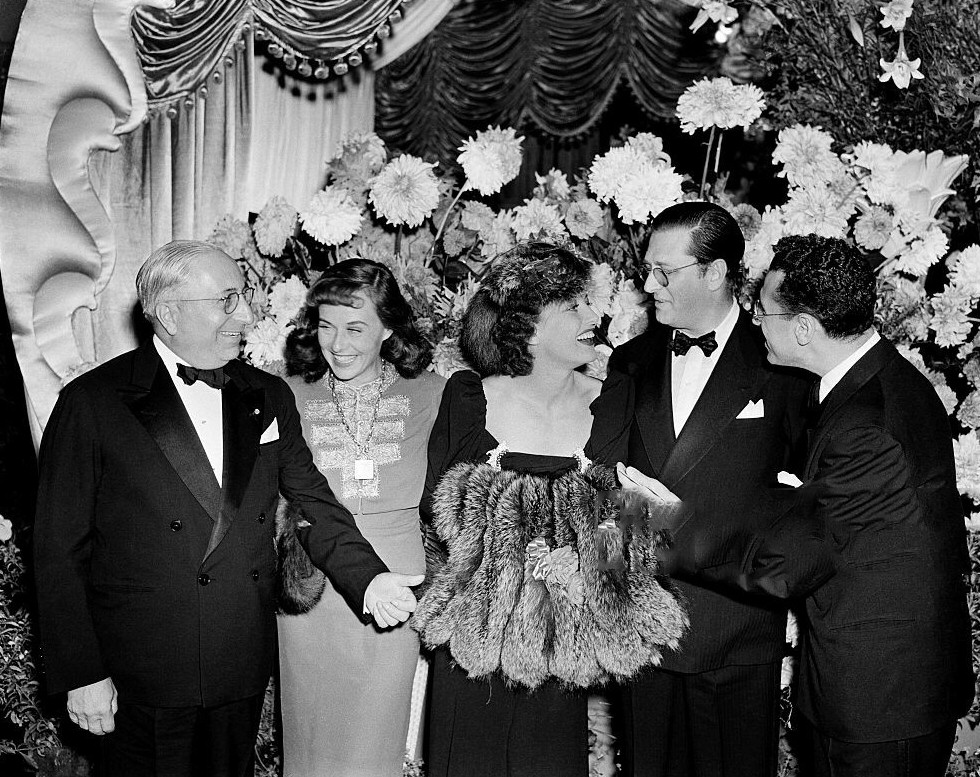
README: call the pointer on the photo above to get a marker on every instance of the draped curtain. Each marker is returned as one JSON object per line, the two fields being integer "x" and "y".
{"x": 553, "y": 65}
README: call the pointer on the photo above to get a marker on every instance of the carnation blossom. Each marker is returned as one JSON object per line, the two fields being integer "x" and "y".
{"x": 964, "y": 270}
{"x": 966, "y": 452}
{"x": 265, "y": 343}
{"x": 805, "y": 155}
{"x": 717, "y": 102}
{"x": 287, "y": 299}
{"x": 583, "y": 218}
{"x": 536, "y": 218}
{"x": 274, "y": 226}
{"x": 332, "y": 217}
{"x": 491, "y": 159}
{"x": 405, "y": 191}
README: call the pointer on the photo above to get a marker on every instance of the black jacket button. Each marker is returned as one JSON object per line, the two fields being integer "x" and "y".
{"x": 255, "y": 574}
{"x": 203, "y": 579}
{"x": 176, "y": 526}
{"x": 261, "y": 517}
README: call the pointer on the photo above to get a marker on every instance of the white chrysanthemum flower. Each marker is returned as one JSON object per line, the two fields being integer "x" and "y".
{"x": 609, "y": 170}
{"x": 366, "y": 148}
{"x": 923, "y": 252}
{"x": 447, "y": 358}
{"x": 602, "y": 288}
{"x": 947, "y": 396}
{"x": 951, "y": 316}
{"x": 759, "y": 248}
{"x": 896, "y": 13}
{"x": 286, "y": 299}
{"x": 805, "y": 155}
{"x": 232, "y": 236}
{"x": 500, "y": 237}
{"x": 405, "y": 191}
{"x": 583, "y": 218}
{"x": 476, "y": 216}
{"x": 647, "y": 192}
{"x": 872, "y": 156}
{"x": 628, "y": 313}
{"x": 964, "y": 270}
{"x": 966, "y": 452}
{"x": 717, "y": 102}
{"x": 873, "y": 229}
{"x": 814, "y": 209}
{"x": 748, "y": 219}
{"x": 537, "y": 218}
{"x": 274, "y": 225}
{"x": 491, "y": 159}
{"x": 332, "y": 217}
{"x": 650, "y": 146}
{"x": 265, "y": 343}
{"x": 554, "y": 184}
{"x": 969, "y": 412}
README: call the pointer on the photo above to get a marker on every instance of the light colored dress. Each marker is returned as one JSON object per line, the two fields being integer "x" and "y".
{"x": 346, "y": 687}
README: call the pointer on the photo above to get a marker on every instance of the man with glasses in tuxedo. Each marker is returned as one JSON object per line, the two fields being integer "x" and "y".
{"x": 714, "y": 423}
{"x": 160, "y": 472}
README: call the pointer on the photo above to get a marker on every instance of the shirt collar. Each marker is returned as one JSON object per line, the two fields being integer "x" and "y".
{"x": 832, "y": 378}
{"x": 724, "y": 330}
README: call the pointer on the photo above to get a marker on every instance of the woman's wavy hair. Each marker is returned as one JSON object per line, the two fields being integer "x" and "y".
{"x": 501, "y": 318}
{"x": 406, "y": 349}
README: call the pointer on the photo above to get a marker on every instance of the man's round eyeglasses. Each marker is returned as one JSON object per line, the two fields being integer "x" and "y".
{"x": 230, "y": 301}
{"x": 661, "y": 276}
{"x": 758, "y": 313}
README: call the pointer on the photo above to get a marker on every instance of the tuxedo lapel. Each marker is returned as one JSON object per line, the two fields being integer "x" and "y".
{"x": 654, "y": 408}
{"x": 734, "y": 382}
{"x": 154, "y": 401}
{"x": 864, "y": 370}
{"x": 242, "y": 410}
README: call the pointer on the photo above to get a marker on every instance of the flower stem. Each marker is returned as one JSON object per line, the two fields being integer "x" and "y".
{"x": 398, "y": 241}
{"x": 718, "y": 153}
{"x": 442, "y": 226}
{"x": 707, "y": 161}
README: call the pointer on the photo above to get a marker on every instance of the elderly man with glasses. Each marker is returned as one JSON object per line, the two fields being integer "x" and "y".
{"x": 715, "y": 424}
{"x": 160, "y": 472}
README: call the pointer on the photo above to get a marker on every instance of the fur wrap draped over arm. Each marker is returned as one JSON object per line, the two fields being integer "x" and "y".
{"x": 542, "y": 582}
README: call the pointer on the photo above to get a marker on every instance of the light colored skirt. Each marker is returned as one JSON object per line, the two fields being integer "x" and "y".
{"x": 346, "y": 687}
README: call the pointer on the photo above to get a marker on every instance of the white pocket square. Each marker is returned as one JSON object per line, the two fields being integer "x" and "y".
{"x": 753, "y": 410}
{"x": 271, "y": 433}
{"x": 788, "y": 479}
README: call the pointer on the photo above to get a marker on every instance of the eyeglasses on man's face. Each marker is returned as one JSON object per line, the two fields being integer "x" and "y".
{"x": 662, "y": 276}
{"x": 759, "y": 313}
{"x": 229, "y": 301}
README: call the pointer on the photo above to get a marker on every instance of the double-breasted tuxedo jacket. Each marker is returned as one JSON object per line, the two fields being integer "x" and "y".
{"x": 717, "y": 466}
{"x": 148, "y": 571}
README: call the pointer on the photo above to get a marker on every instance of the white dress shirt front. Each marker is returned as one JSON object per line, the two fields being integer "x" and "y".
{"x": 203, "y": 405}
{"x": 689, "y": 373}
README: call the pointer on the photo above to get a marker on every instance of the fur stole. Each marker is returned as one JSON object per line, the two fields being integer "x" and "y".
{"x": 531, "y": 588}
{"x": 299, "y": 584}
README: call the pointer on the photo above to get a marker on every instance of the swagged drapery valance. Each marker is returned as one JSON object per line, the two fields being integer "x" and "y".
{"x": 554, "y": 64}
{"x": 184, "y": 50}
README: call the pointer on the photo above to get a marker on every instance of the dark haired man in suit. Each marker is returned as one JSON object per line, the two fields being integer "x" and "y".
{"x": 715, "y": 424}
{"x": 159, "y": 476}
{"x": 885, "y": 670}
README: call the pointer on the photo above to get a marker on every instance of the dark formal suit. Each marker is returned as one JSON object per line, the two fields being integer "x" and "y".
{"x": 886, "y": 641}
{"x": 149, "y": 572}
{"x": 716, "y": 466}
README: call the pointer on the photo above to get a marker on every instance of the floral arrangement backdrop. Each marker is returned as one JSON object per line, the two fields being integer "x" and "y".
{"x": 900, "y": 202}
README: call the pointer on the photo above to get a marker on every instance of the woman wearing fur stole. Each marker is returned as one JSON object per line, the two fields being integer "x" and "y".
{"x": 367, "y": 405}
{"x": 536, "y": 593}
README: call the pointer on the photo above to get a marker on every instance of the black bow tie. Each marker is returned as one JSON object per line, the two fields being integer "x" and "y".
{"x": 681, "y": 343}
{"x": 215, "y": 378}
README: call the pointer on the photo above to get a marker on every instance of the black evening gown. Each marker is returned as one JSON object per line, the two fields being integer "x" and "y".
{"x": 485, "y": 727}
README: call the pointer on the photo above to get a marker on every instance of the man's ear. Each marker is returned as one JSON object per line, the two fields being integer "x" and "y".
{"x": 806, "y": 329}
{"x": 167, "y": 315}
{"x": 717, "y": 272}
